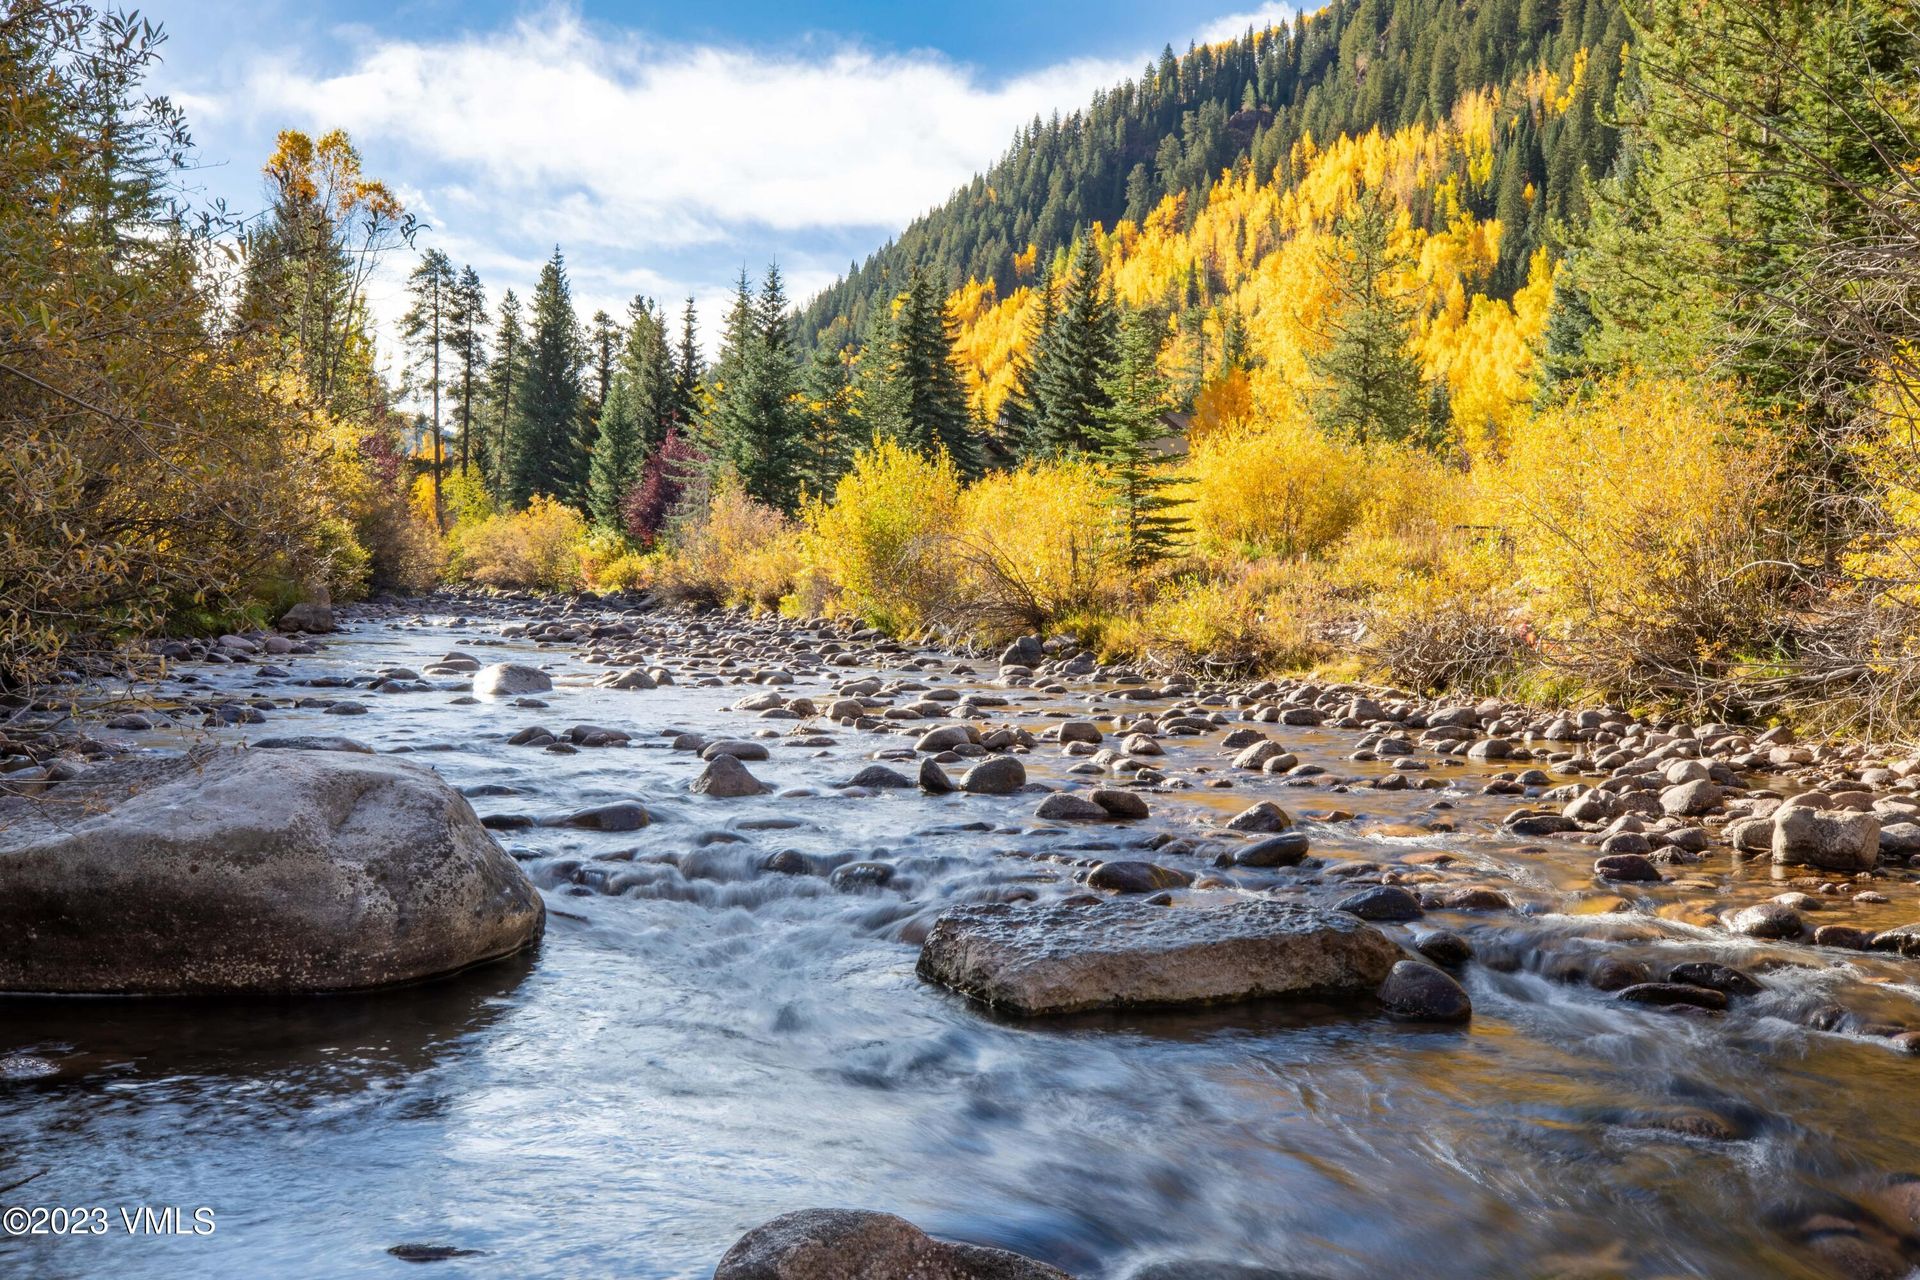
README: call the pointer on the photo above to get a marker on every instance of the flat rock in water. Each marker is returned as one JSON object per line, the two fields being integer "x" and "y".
{"x": 233, "y": 871}
{"x": 1040, "y": 958}
{"x": 504, "y": 679}
{"x": 853, "y": 1244}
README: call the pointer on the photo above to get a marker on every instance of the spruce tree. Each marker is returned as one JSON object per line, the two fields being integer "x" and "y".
{"x": 687, "y": 371}
{"x": 509, "y": 363}
{"x": 1127, "y": 432}
{"x": 1372, "y": 390}
{"x": 831, "y": 422}
{"x": 542, "y": 454}
{"x": 753, "y": 422}
{"x": 1078, "y": 356}
{"x": 917, "y": 396}
{"x": 647, "y": 358}
{"x": 618, "y": 452}
{"x": 1023, "y": 410}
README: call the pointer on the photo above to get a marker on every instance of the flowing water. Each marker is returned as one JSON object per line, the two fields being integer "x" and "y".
{"x": 700, "y": 1045}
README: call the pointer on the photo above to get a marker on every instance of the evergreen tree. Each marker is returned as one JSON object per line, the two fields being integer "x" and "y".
{"x": 687, "y": 371}
{"x": 618, "y": 452}
{"x": 648, "y": 359}
{"x": 468, "y": 339}
{"x": 424, "y": 330}
{"x": 753, "y": 422}
{"x": 1126, "y": 434}
{"x": 1023, "y": 410}
{"x": 542, "y": 454}
{"x": 831, "y": 421}
{"x": 509, "y": 363}
{"x": 1071, "y": 374}
{"x": 1372, "y": 390}
{"x": 915, "y": 393}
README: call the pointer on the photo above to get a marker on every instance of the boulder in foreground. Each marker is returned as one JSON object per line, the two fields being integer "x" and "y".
{"x": 237, "y": 871}
{"x": 1029, "y": 959}
{"x": 852, "y": 1244}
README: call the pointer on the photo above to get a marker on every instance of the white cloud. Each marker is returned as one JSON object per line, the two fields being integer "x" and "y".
{"x": 1234, "y": 25}
{"x": 603, "y": 139}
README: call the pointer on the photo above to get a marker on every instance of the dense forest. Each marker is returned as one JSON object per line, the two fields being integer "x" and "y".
{"x": 1356, "y": 66}
{"x": 1559, "y": 348}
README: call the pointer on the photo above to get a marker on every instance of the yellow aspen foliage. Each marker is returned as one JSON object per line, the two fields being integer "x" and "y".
{"x": 1036, "y": 545}
{"x": 875, "y": 548}
{"x": 1281, "y": 488}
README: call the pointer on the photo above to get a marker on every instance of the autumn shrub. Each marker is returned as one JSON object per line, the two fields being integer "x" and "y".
{"x": 535, "y": 549}
{"x": 1642, "y": 529}
{"x": 610, "y": 562}
{"x": 735, "y": 550}
{"x": 1031, "y": 547}
{"x": 878, "y": 547}
{"x": 1281, "y": 488}
{"x": 1236, "y": 617}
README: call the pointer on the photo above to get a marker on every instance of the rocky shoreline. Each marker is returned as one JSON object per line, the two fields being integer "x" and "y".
{"x": 1691, "y": 867}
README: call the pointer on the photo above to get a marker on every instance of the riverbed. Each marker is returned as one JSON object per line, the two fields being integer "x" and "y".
{"x": 702, "y": 1043}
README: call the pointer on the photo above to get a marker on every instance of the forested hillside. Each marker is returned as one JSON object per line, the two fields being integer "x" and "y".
{"x": 1355, "y": 66}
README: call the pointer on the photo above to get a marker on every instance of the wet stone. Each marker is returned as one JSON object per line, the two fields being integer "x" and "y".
{"x": 1382, "y": 902}
{"x": 1419, "y": 992}
{"x": 1666, "y": 994}
{"x": 1137, "y": 877}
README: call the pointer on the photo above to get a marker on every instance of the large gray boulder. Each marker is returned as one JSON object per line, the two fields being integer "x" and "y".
{"x": 505, "y": 679}
{"x": 854, "y": 1244}
{"x": 234, "y": 870}
{"x": 311, "y": 615}
{"x": 1829, "y": 839}
{"x": 1029, "y": 959}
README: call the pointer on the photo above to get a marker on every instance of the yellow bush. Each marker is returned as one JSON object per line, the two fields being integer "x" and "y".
{"x": 1886, "y": 555}
{"x": 1282, "y": 488}
{"x": 737, "y": 551}
{"x": 1640, "y": 524}
{"x": 1244, "y": 616}
{"x": 1033, "y": 546}
{"x": 879, "y": 543}
{"x": 535, "y": 548}
{"x": 611, "y": 563}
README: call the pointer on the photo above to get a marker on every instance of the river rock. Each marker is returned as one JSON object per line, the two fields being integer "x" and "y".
{"x": 727, "y": 778}
{"x": 250, "y": 871}
{"x": 311, "y": 615}
{"x": 1124, "y": 805}
{"x": 1265, "y": 816}
{"x": 853, "y": 1244}
{"x": 1420, "y": 992}
{"x": 1063, "y": 806}
{"x": 1830, "y": 839}
{"x": 880, "y": 777}
{"x": 1381, "y": 902}
{"x": 1137, "y": 877}
{"x": 505, "y": 679}
{"x": 1287, "y": 849}
{"x": 994, "y": 776}
{"x": 1767, "y": 920}
{"x": 1041, "y": 958}
{"x": 1667, "y": 994}
{"x": 1626, "y": 866}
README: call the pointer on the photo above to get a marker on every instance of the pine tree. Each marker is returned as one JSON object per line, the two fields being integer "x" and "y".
{"x": 509, "y": 364}
{"x": 1372, "y": 390}
{"x": 648, "y": 359}
{"x": 915, "y": 393}
{"x": 603, "y": 349}
{"x": 831, "y": 422}
{"x": 468, "y": 338}
{"x": 1079, "y": 353}
{"x": 1023, "y": 410}
{"x": 542, "y": 456}
{"x": 687, "y": 371}
{"x": 618, "y": 452}
{"x": 425, "y": 330}
{"x": 1128, "y": 429}
{"x": 753, "y": 423}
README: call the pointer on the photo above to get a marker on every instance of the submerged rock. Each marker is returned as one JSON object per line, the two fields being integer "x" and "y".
{"x": 252, "y": 871}
{"x": 855, "y": 1244}
{"x": 1058, "y": 958}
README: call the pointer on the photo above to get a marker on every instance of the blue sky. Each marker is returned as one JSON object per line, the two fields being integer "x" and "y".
{"x": 662, "y": 146}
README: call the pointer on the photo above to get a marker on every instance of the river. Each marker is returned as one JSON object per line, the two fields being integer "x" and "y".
{"x": 700, "y": 1044}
